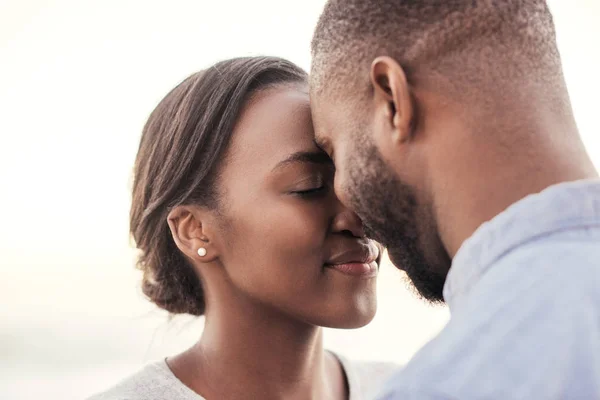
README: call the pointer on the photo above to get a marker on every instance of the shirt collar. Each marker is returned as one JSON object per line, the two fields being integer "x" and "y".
{"x": 563, "y": 206}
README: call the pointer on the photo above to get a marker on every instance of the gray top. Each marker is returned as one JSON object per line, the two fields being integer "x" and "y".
{"x": 524, "y": 294}
{"x": 157, "y": 382}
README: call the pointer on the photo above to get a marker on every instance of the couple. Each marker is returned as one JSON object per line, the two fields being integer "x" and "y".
{"x": 443, "y": 130}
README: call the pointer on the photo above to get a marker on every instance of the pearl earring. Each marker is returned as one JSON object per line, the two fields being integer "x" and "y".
{"x": 201, "y": 251}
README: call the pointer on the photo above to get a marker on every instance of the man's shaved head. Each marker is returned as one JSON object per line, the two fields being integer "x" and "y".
{"x": 438, "y": 115}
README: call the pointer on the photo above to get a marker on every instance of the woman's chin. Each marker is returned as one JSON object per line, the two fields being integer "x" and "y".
{"x": 354, "y": 323}
{"x": 361, "y": 314}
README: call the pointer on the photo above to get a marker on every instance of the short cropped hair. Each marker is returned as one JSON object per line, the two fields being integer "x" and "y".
{"x": 476, "y": 41}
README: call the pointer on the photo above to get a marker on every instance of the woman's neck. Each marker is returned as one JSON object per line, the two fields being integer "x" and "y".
{"x": 256, "y": 353}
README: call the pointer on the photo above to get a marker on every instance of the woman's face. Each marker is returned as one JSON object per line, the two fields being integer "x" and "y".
{"x": 288, "y": 243}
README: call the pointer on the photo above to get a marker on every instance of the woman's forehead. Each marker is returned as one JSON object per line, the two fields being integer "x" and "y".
{"x": 273, "y": 125}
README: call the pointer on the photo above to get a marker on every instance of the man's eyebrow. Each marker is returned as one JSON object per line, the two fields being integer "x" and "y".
{"x": 313, "y": 157}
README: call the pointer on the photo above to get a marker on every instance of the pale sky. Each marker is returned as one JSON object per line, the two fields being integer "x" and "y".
{"x": 78, "y": 79}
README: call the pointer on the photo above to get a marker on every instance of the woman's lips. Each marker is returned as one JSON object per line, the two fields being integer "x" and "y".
{"x": 358, "y": 260}
{"x": 361, "y": 270}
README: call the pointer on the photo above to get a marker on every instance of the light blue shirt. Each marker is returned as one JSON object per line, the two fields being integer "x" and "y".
{"x": 524, "y": 298}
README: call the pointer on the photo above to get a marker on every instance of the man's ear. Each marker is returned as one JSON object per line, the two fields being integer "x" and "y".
{"x": 393, "y": 103}
{"x": 191, "y": 230}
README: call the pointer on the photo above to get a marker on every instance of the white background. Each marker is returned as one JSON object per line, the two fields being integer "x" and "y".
{"x": 77, "y": 81}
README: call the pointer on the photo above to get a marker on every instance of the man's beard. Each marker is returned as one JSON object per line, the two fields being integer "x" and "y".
{"x": 391, "y": 215}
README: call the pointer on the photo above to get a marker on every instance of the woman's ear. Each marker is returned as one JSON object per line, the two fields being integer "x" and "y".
{"x": 190, "y": 227}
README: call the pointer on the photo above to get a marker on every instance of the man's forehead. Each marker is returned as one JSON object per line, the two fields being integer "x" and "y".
{"x": 325, "y": 125}
{"x": 327, "y": 110}
{"x": 324, "y": 94}
{"x": 322, "y": 141}
{"x": 321, "y": 115}
{"x": 315, "y": 79}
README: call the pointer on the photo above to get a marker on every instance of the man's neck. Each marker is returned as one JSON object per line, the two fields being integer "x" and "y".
{"x": 490, "y": 180}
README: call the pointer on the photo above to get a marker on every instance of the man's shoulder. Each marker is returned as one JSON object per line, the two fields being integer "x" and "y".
{"x": 510, "y": 346}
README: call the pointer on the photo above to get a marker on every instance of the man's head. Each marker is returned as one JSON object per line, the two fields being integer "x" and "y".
{"x": 408, "y": 97}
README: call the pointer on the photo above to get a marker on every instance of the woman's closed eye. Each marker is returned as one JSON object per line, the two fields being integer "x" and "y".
{"x": 312, "y": 187}
{"x": 311, "y": 192}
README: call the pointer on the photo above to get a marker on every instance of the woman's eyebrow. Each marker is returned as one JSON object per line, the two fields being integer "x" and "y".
{"x": 313, "y": 157}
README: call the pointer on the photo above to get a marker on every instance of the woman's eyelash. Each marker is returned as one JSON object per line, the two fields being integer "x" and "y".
{"x": 310, "y": 192}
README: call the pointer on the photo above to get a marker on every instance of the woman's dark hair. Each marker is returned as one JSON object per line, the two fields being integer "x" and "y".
{"x": 182, "y": 146}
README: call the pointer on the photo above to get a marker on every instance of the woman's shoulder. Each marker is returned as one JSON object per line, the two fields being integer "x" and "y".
{"x": 366, "y": 378}
{"x": 154, "y": 382}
